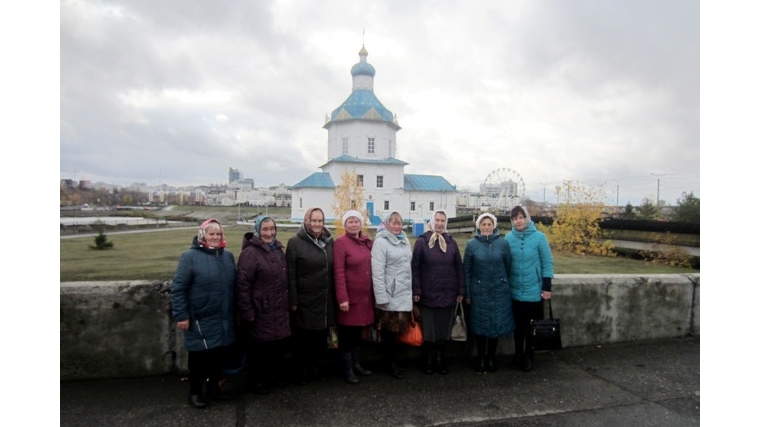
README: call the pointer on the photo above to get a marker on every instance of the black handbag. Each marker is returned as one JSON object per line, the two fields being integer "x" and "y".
{"x": 546, "y": 332}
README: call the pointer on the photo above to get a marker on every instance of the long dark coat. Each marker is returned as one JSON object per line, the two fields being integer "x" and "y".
{"x": 437, "y": 277}
{"x": 261, "y": 290}
{"x": 310, "y": 280}
{"x": 486, "y": 267}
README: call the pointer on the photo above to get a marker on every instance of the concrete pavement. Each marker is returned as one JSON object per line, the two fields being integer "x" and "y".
{"x": 643, "y": 383}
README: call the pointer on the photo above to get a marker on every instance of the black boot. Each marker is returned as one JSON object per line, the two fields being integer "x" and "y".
{"x": 348, "y": 369}
{"x": 427, "y": 352}
{"x": 317, "y": 374}
{"x": 394, "y": 371}
{"x": 491, "y": 362}
{"x": 481, "y": 345}
{"x": 516, "y": 362}
{"x": 197, "y": 400}
{"x": 517, "y": 359}
{"x": 358, "y": 368}
{"x": 440, "y": 362}
{"x": 528, "y": 361}
{"x": 389, "y": 351}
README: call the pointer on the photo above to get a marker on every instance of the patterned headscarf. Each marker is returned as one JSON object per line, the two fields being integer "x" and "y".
{"x": 257, "y": 227}
{"x": 435, "y": 236}
{"x": 384, "y": 227}
{"x": 307, "y": 218}
{"x": 202, "y": 233}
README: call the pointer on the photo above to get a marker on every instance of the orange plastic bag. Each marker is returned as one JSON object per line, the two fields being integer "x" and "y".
{"x": 412, "y": 336}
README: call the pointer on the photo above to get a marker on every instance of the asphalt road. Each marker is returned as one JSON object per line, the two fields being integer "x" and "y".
{"x": 637, "y": 384}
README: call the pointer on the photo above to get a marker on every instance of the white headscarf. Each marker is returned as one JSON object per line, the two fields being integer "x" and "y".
{"x": 485, "y": 215}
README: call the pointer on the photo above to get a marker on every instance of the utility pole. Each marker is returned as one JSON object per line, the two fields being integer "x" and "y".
{"x": 657, "y": 200}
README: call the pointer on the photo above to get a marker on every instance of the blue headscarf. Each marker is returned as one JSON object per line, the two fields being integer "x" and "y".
{"x": 257, "y": 228}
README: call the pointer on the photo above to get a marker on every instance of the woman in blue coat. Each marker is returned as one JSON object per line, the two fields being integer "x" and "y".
{"x": 530, "y": 279}
{"x": 487, "y": 260}
{"x": 203, "y": 306}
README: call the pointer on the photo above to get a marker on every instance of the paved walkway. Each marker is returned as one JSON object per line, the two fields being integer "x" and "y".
{"x": 652, "y": 383}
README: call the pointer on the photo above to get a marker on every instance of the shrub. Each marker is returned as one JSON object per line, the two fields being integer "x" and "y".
{"x": 576, "y": 228}
{"x": 665, "y": 252}
{"x": 101, "y": 242}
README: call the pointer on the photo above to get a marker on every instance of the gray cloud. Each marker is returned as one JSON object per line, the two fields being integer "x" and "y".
{"x": 583, "y": 90}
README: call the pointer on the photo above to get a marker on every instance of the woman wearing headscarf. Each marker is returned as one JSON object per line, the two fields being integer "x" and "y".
{"x": 311, "y": 291}
{"x": 487, "y": 259}
{"x": 204, "y": 308}
{"x": 261, "y": 292}
{"x": 353, "y": 290}
{"x": 437, "y": 285}
{"x": 530, "y": 278}
{"x": 392, "y": 285}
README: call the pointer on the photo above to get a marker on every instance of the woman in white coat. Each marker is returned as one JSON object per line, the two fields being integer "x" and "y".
{"x": 392, "y": 284}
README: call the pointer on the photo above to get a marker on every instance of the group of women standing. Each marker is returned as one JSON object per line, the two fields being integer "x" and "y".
{"x": 300, "y": 293}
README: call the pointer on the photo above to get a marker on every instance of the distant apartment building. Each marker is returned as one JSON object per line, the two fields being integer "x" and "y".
{"x": 234, "y": 175}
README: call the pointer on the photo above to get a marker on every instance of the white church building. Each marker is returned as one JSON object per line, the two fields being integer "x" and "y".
{"x": 361, "y": 138}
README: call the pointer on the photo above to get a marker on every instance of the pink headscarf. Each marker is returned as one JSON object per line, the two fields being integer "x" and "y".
{"x": 202, "y": 233}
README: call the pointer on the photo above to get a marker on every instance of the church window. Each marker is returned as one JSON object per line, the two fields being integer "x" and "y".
{"x": 345, "y": 145}
{"x": 360, "y": 180}
{"x": 371, "y": 145}
{"x": 386, "y": 205}
{"x": 379, "y": 181}
{"x": 414, "y": 204}
{"x": 432, "y": 206}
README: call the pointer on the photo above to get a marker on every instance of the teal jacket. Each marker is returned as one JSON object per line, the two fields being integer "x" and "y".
{"x": 532, "y": 265}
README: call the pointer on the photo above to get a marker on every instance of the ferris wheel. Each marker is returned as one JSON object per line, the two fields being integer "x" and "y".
{"x": 503, "y": 188}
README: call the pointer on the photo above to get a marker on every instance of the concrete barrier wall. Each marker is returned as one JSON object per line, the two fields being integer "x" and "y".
{"x": 124, "y": 329}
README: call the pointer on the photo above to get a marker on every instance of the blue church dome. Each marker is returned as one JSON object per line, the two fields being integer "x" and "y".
{"x": 362, "y": 104}
{"x": 363, "y": 69}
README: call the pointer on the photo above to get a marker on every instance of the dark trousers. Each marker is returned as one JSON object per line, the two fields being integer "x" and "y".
{"x": 390, "y": 347}
{"x": 205, "y": 365}
{"x": 523, "y": 312}
{"x": 266, "y": 360}
{"x": 310, "y": 348}
{"x": 349, "y": 337}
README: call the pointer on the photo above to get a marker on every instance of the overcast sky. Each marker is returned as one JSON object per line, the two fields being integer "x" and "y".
{"x": 177, "y": 92}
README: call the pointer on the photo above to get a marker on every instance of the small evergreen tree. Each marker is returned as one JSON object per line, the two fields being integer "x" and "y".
{"x": 101, "y": 241}
{"x": 646, "y": 211}
{"x": 687, "y": 208}
{"x": 628, "y": 213}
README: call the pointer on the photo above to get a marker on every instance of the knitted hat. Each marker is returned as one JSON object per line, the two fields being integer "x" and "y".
{"x": 352, "y": 213}
{"x": 485, "y": 215}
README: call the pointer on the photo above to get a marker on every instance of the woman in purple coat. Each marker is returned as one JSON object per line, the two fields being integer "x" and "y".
{"x": 353, "y": 289}
{"x": 261, "y": 292}
{"x": 437, "y": 285}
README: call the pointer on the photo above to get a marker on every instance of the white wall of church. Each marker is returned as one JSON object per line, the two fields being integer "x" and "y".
{"x": 384, "y": 201}
{"x": 305, "y": 198}
{"x": 358, "y": 133}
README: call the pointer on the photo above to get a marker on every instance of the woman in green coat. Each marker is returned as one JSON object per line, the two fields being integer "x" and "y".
{"x": 487, "y": 260}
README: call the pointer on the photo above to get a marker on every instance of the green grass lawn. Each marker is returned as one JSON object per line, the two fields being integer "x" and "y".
{"x": 154, "y": 256}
